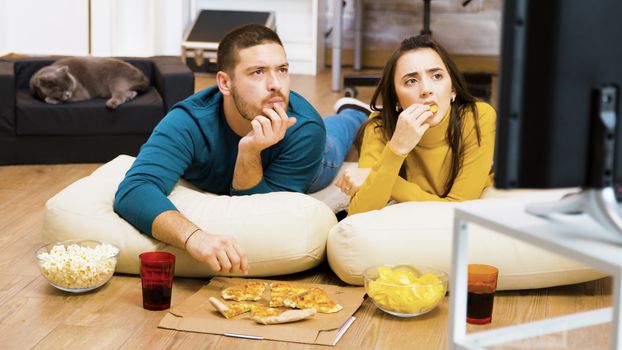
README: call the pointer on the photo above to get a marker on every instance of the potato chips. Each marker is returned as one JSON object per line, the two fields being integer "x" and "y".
{"x": 401, "y": 290}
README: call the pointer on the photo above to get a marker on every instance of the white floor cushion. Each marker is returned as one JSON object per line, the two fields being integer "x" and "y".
{"x": 421, "y": 233}
{"x": 280, "y": 232}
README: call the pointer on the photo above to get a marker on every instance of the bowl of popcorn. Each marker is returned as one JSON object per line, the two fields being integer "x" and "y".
{"x": 405, "y": 290}
{"x": 77, "y": 266}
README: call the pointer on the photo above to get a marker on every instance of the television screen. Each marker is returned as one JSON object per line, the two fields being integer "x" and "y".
{"x": 560, "y": 75}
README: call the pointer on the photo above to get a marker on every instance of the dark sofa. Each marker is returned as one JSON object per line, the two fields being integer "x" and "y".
{"x": 32, "y": 131}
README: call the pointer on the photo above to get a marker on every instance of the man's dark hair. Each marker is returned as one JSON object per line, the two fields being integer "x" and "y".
{"x": 241, "y": 38}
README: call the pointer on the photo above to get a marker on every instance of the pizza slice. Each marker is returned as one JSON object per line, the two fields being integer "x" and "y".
{"x": 230, "y": 310}
{"x": 283, "y": 293}
{"x": 272, "y": 315}
{"x": 247, "y": 291}
{"x": 316, "y": 298}
{"x": 263, "y": 311}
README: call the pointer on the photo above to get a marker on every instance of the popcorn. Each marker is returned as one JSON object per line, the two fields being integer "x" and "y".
{"x": 78, "y": 267}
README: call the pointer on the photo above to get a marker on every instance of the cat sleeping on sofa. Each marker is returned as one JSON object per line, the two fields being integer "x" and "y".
{"x": 82, "y": 78}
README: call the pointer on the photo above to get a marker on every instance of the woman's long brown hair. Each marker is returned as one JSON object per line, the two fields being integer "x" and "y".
{"x": 385, "y": 101}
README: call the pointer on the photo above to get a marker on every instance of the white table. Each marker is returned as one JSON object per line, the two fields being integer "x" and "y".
{"x": 564, "y": 235}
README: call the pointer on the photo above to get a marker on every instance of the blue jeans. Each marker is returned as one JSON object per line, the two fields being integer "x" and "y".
{"x": 340, "y": 132}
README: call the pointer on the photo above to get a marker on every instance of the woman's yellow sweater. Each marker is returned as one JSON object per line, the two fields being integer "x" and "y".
{"x": 427, "y": 165}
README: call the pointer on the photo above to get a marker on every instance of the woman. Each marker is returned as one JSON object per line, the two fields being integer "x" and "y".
{"x": 428, "y": 138}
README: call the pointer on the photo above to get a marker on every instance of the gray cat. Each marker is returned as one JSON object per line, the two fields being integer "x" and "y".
{"x": 83, "y": 78}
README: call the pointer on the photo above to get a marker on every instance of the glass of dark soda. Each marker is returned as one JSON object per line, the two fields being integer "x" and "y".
{"x": 481, "y": 288}
{"x": 156, "y": 275}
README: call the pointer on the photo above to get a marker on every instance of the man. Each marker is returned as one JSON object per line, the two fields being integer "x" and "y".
{"x": 248, "y": 134}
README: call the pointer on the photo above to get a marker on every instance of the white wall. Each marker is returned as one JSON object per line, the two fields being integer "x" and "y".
{"x": 138, "y": 27}
{"x": 101, "y": 27}
{"x": 118, "y": 27}
{"x": 132, "y": 25}
{"x": 40, "y": 27}
{"x": 171, "y": 18}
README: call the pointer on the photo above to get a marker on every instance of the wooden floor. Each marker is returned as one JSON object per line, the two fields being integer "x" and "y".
{"x": 35, "y": 315}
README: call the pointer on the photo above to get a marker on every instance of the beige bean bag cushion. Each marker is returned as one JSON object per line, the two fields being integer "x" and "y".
{"x": 280, "y": 232}
{"x": 421, "y": 233}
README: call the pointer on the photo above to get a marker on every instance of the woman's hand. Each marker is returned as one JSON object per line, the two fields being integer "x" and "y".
{"x": 411, "y": 126}
{"x": 352, "y": 180}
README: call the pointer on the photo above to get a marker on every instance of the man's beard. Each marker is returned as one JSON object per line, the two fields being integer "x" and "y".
{"x": 247, "y": 111}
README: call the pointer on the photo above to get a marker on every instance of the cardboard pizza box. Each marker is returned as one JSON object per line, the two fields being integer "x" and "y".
{"x": 198, "y": 49}
{"x": 196, "y": 314}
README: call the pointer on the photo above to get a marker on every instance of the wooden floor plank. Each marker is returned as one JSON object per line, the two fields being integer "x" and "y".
{"x": 79, "y": 337}
{"x": 24, "y": 321}
{"x": 24, "y": 336}
{"x": 147, "y": 335}
{"x": 11, "y": 285}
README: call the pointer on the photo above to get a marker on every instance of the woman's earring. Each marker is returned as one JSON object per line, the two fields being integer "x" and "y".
{"x": 453, "y": 98}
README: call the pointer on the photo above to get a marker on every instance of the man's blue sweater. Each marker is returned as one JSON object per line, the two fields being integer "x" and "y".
{"x": 195, "y": 142}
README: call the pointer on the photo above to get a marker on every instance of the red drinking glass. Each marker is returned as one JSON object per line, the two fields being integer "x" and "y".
{"x": 156, "y": 275}
{"x": 482, "y": 284}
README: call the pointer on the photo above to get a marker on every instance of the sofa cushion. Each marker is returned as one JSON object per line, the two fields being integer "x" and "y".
{"x": 280, "y": 232}
{"x": 139, "y": 116}
{"x": 421, "y": 233}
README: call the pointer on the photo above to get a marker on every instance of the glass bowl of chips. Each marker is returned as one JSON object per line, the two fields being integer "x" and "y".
{"x": 405, "y": 290}
{"x": 77, "y": 266}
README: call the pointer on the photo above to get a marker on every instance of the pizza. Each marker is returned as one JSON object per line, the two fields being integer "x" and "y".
{"x": 229, "y": 309}
{"x": 303, "y": 301}
{"x": 247, "y": 291}
{"x": 282, "y": 293}
{"x": 263, "y": 311}
{"x": 285, "y": 294}
{"x": 273, "y": 315}
{"x": 315, "y": 298}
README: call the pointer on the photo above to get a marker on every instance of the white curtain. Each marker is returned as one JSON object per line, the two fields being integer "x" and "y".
{"x": 138, "y": 27}
{"x": 39, "y": 27}
{"x": 117, "y": 27}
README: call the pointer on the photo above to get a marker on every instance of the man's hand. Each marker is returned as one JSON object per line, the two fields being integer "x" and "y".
{"x": 268, "y": 129}
{"x": 352, "y": 180}
{"x": 220, "y": 253}
{"x": 411, "y": 125}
